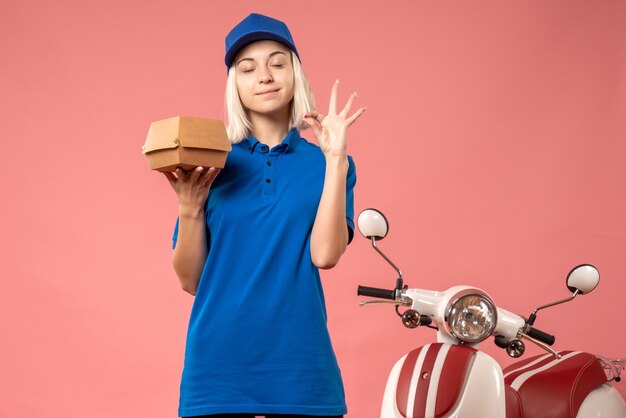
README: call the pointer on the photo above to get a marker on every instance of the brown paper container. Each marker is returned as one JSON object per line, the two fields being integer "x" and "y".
{"x": 186, "y": 142}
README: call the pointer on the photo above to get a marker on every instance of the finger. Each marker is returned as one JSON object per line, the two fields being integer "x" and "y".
{"x": 356, "y": 115}
{"x": 315, "y": 115}
{"x": 181, "y": 174}
{"x": 314, "y": 125}
{"x": 197, "y": 172}
{"x": 346, "y": 109}
{"x": 314, "y": 119}
{"x": 332, "y": 107}
{"x": 170, "y": 177}
{"x": 206, "y": 178}
{"x": 210, "y": 175}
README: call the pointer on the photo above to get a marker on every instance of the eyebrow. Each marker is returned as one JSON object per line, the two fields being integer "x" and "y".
{"x": 251, "y": 59}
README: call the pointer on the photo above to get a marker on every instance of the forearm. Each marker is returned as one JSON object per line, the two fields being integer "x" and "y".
{"x": 329, "y": 237}
{"x": 191, "y": 248}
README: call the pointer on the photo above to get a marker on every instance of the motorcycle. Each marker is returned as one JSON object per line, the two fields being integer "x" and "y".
{"x": 452, "y": 378}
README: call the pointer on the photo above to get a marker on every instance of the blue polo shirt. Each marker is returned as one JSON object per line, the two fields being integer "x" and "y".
{"x": 257, "y": 340}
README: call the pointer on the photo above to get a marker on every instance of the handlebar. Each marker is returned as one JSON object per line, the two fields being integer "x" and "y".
{"x": 541, "y": 336}
{"x": 390, "y": 294}
{"x": 535, "y": 333}
{"x": 376, "y": 292}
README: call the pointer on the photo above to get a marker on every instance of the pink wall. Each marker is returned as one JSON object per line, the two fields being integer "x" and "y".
{"x": 493, "y": 141}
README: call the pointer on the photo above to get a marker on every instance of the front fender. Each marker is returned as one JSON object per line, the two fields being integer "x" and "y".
{"x": 444, "y": 380}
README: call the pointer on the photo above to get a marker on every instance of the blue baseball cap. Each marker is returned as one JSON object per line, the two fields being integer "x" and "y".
{"x": 257, "y": 27}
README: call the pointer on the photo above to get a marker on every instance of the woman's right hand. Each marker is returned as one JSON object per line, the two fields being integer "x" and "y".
{"x": 192, "y": 188}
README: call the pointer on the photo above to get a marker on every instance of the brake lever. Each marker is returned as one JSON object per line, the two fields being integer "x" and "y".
{"x": 390, "y": 302}
{"x": 540, "y": 344}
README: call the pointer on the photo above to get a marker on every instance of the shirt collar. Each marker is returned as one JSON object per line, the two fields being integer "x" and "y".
{"x": 290, "y": 141}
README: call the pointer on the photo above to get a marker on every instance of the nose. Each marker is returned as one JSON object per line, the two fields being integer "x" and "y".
{"x": 265, "y": 75}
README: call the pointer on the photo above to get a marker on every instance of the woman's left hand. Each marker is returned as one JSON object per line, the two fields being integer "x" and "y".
{"x": 331, "y": 130}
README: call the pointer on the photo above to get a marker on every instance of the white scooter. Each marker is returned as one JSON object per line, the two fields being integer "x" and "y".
{"x": 451, "y": 378}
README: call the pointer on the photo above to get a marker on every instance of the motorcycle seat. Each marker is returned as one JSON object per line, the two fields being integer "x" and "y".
{"x": 544, "y": 387}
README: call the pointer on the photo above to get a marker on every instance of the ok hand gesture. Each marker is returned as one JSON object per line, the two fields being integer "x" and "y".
{"x": 331, "y": 130}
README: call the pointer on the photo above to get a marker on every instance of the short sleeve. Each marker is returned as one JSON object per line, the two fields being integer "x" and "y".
{"x": 175, "y": 236}
{"x": 350, "y": 183}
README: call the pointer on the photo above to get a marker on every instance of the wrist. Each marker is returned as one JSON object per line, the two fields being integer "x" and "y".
{"x": 336, "y": 159}
{"x": 336, "y": 155}
{"x": 190, "y": 211}
{"x": 337, "y": 165}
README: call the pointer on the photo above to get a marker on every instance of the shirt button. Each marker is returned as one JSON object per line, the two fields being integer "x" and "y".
{"x": 268, "y": 180}
{"x": 269, "y": 163}
{"x": 263, "y": 148}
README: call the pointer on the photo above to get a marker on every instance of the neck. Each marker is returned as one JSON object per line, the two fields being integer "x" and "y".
{"x": 270, "y": 129}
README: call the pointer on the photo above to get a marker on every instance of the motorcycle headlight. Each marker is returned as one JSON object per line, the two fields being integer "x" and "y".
{"x": 471, "y": 316}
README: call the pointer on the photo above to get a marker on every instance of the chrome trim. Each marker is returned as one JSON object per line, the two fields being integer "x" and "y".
{"x": 402, "y": 302}
{"x": 540, "y": 344}
{"x": 386, "y": 258}
{"x": 454, "y": 299}
{"x": 558, "y": 302}
{"x": 612, "y": 367}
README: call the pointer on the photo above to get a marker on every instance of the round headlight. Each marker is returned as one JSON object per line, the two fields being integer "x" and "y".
{"x": 471, "y": 316}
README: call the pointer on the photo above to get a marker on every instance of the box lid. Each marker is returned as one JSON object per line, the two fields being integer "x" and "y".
{"x": 187, "y": 131}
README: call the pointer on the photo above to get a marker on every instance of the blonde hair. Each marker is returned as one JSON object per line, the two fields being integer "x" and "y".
{"x": 238, "y": 124}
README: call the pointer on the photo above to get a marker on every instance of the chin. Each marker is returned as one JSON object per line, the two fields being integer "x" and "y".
{"x": 270, "y": 109}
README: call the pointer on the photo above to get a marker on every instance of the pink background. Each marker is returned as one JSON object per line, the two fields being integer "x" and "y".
{"x": 493, "y": 141}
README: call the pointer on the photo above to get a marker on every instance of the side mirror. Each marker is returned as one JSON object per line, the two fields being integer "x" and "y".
{"x": 583, "y": 278}
{"x": 373, "y": 224}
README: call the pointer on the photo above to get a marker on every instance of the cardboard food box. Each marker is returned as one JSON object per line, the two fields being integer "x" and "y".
{"x": 186, "y": 142}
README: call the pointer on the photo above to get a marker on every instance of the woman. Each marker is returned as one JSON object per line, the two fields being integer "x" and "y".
{"x": 250, "y": 249}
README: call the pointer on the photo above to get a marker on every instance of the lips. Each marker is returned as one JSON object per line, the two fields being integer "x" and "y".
{"x": 267, "y": 91}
